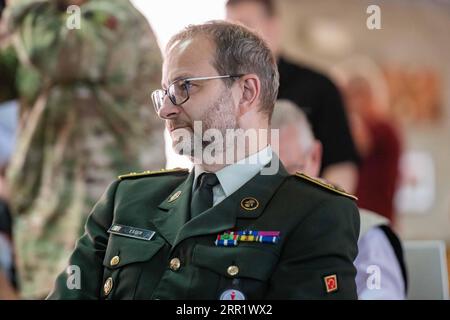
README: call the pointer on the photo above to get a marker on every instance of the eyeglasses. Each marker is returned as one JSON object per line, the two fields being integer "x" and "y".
{"x": 178, "y": 91}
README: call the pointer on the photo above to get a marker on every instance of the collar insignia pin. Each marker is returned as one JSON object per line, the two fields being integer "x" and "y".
{"x": 249, "y": 203}
{"x": 175, "y": 196}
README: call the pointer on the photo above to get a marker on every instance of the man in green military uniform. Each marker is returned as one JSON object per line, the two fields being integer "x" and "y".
{"x": 83, "y": 90}
{"x": 227, "y": 230}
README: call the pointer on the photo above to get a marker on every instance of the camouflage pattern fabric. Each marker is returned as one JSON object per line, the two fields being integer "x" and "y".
{"x": 85, "y": 117}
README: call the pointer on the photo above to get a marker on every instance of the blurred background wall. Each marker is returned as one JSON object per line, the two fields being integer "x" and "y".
{"x": 412, "y": 49}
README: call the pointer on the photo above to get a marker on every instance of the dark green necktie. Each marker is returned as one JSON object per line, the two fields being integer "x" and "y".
{"x": 202, "y": 197}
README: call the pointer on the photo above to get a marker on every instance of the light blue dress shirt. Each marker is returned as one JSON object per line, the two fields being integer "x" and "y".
{"x": 234, "y": 176}
{"x": 8, "y": 125}
{"x": 376, "y": 250}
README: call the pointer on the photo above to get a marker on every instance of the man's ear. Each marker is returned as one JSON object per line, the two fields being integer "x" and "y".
{"x": 251, "y": 90}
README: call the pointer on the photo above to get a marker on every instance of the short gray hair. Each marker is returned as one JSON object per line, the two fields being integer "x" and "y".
{"x": 287, "y": 113}
{"x": 238, "y": 51}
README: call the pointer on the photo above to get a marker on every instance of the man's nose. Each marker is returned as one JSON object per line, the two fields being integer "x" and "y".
{"x": 168, "y": 109}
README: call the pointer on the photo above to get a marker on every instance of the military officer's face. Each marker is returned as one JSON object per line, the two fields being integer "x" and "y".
{"x": 210, "y": 103}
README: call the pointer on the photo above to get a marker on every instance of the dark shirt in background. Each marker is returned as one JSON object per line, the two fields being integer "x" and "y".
{"x": 321, "y": 101}
{"x": 6, "y": 230}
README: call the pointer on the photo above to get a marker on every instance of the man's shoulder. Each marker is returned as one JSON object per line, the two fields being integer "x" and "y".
{"x": 158, "y": 173}
{"x": 151, "y": 181}
{"x": 319, "y": 187}
{"x": 148, "y": 186}
{"x": 299, "y": 71}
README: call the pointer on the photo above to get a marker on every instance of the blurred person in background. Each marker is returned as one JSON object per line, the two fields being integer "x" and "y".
{"x": 8, "y": 122}
{"x": 379, "y": 248}
{"x": 313, "y": 92}
{"x": 376, "y": 136}
{"x": 8, "y": 283}
{"x": 84, "y": 117}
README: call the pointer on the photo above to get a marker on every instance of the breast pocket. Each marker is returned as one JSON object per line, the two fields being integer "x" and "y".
{"x": 124, "y": 262}
{"x": 246, "y": 268}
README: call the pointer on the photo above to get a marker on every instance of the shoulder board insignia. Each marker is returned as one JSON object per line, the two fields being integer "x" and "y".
{"x": 326, "y": 185}
{"x": 151, "y": 173}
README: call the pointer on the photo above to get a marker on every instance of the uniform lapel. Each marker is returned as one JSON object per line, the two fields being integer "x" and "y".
{"x": 174, "y": 211}
{"x": 223, "y": 216}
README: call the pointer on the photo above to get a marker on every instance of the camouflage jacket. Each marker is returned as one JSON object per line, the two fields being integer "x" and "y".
{"x": 85, "y": 116}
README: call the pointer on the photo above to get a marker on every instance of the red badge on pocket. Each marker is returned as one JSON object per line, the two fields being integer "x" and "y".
{"x": 331, "y": 283}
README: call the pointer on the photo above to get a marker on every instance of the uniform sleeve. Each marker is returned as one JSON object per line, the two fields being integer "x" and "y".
{"x": 84, "y": 274}
{"x": 323, "y": 246}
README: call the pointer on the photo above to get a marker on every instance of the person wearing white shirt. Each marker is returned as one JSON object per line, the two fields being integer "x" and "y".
{"x": 381, "y": 269}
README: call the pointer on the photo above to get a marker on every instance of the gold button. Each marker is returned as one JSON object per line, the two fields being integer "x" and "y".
{"x": 108, "y": 286}
{"x": 115, "y": 261}
{"x": 233, "y": 270}
{"x": 175, "y": 264}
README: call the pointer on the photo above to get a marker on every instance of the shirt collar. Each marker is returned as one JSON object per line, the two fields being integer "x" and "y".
{"x": 234, "y": 176}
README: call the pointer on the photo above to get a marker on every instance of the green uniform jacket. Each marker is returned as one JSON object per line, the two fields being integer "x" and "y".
{"x": 318, "y": 240}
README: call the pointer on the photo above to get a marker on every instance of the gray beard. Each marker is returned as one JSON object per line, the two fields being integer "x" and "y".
{"x": 220, "y": 116}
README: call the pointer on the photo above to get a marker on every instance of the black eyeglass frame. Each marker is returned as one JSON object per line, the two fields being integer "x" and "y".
{"x": 159, "y": 94}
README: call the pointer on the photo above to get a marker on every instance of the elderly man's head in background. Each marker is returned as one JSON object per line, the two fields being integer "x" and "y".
{"x": 299, "y": 149}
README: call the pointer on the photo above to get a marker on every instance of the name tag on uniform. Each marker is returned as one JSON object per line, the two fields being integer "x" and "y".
{"x": 131, "y": 232}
